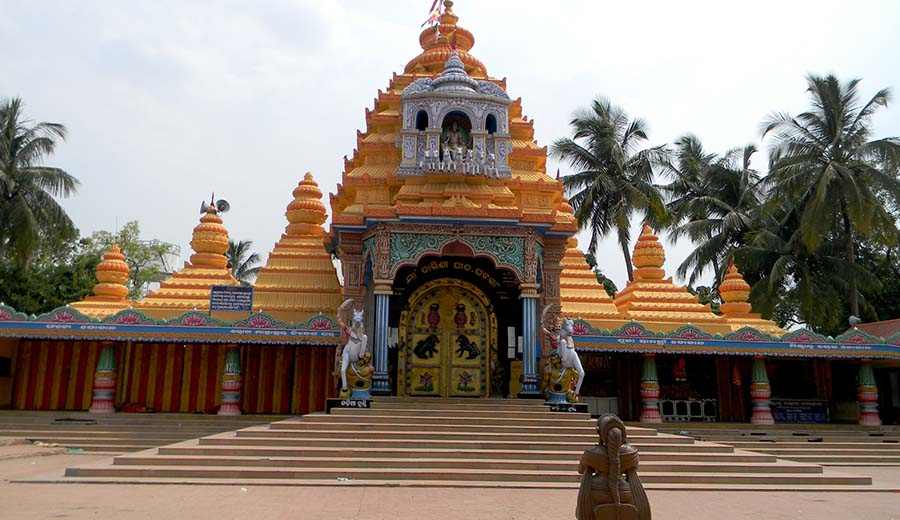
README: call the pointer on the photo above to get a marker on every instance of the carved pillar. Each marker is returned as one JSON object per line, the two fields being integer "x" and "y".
{"x": 380, "y": 382}
{"x": 381, "y": 268}
{"x": 867, "y": 396}
{"x": 554, "y": 251}
{"x": 231, "y": 383}
{"x": 529, "y": 339}
{"x": 104, "y": 391}
{"x": 350, "y": 253}
{"x": 650, "y": 391}
{"x": 760, "y": 392}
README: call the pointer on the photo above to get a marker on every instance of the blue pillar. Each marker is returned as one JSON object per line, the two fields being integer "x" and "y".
{"x": 381, "y": 385}
{"x": 529, "y": 348}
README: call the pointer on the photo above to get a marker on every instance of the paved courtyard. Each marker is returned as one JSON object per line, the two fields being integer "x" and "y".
{"x": 131, "y": 502}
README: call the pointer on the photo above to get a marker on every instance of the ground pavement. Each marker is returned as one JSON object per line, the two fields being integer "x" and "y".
{"x": 132, "y": 502}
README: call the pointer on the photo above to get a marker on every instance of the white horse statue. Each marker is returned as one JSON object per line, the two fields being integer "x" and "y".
{"x": 565, "y": 347}
{"x": 357, "y": 341}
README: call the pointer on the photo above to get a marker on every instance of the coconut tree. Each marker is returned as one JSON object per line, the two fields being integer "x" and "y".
{"x": 714, "y": 201}
{"x": 242, "y": 262}
{"x": 614, "y": 173}
{"x": 28, "y": 188}
{"x": 825, "y": 163}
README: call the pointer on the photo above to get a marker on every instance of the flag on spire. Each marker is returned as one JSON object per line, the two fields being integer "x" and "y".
{"x": 434, "y": 14}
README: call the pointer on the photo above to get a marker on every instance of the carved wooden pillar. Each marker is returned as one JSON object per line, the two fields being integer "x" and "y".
{"x": 381, "y": 268}
{"x": 760, "y": 393}
{"x": 867, "y": 396}
{"x": 650, "y": 391}
{"x": 530, "y": 298}
{"x": 231, "y": 383}
{"x": 104, "y": 391}
{"x": 554, "y": 251}
{"x": 350, "y": 253}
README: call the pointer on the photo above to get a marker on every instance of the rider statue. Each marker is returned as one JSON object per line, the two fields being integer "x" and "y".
{"x": 568, "y": 357}
{"x": 355, "y": 349}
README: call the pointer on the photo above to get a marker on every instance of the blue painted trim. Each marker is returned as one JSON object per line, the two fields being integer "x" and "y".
{"x": 662, "y": 345}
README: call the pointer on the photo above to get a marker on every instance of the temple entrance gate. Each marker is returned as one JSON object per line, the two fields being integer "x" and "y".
{"x": 447, "y": 340}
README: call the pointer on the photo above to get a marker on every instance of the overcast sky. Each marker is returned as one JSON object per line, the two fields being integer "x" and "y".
{"x": 166, "y": 101}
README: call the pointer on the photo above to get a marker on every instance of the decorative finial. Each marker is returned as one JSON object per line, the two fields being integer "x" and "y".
{"x": 306, "y": 213}
{"x": 734, "y": 291}
{"x": 649, "y": 256}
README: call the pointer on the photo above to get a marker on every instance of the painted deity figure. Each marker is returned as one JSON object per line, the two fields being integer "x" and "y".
{"x": 567, "y": 354}
{"x": 565, "y": 357}
{"x": 610, "y": 487}
{"x": 357, "y": 341}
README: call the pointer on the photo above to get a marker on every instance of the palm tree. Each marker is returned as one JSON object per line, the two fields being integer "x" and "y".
{"x": 28, "y": 189}
{"x": 714, "y": 201}
{"x": 243, "y": 262}
{"x": 794, "y": 285}
{"x": 824, "y": 162}
{"x": 614, "y": 173}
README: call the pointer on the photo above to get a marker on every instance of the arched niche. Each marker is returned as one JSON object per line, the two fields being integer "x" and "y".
{"x": 421, "y": 120}
{"x": 490, "y": 124}
{"x": 456, "y": 132}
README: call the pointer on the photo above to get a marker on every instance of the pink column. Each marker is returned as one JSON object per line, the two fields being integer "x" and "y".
{"x": 231, "y": 384}
{"x": 650, "y": 391}
{"x": 760, "y": 392}
{"x": 867, "y": 396}
{"x": 104, "y": 391}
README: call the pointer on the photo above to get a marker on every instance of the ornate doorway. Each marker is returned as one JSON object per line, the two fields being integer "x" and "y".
{"x": 448, "y": 334}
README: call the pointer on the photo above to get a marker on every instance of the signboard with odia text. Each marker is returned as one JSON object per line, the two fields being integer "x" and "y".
{"x": 231, "y": 298}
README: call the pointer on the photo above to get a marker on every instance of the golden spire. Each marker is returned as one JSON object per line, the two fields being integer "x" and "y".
{"x": 209, "y": 241}
{"x": 110, "y": 292}
{"x": 736, "y": 309}
{"x": 649, "y": 256}
{"x": 112, "y": 273}
{"x": 299, "y": 279}
{"x": 189, "y": 288}
{"x": 436, "y": 48}
{"x": 581, "y": 295}
{"x": 734, "y": 291}
{"x": 306, "y": 213}
{"x": 655, "y": 300}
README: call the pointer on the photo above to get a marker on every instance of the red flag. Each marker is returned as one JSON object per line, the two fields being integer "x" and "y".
{"x": 434, "y": 13}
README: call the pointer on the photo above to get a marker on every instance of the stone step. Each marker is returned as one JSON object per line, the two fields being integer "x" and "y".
{"x": 756, "y": 445}
{"x": 801, "y": 438}
{"x": 117, "y": 443}
{"x": 166, "y": 426}
{"x": 435, "y": 434}
{"x": 417, "y": 427}
{"x": 565, "y": 465}
{"x": 562, "y": 420}
{"x": 105, "y": 448}
{"x": 101, "y": 434}
{"x": 450, "y": 401}
{"x": 399, "y": 406}
{"x": 781, "y": 452}
{"x": 862, "y": 460}
{"x": 186, "y": 472}
{"x": 147, "y": 419}
{"x": 465, "y": 443}
{"x": 192, "y": 448}
{"x": 463, "y": 412}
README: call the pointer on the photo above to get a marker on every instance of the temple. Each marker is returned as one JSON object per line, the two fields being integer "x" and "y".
{"x": 457, "y": 245}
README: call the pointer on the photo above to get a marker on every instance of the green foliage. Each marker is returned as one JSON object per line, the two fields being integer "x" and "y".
{"x": 713, "y": 200}
{"x": 28, "y": 189}
{"x": 614, "y": 173}
{"x": 242, "y": 262}
{"x": 60, "y": 273}
{"x": 146, "y": 259}
{"x": 837, "y": 179}
{"x": 707, "y": 296}
{"x": 608, "y": 285}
